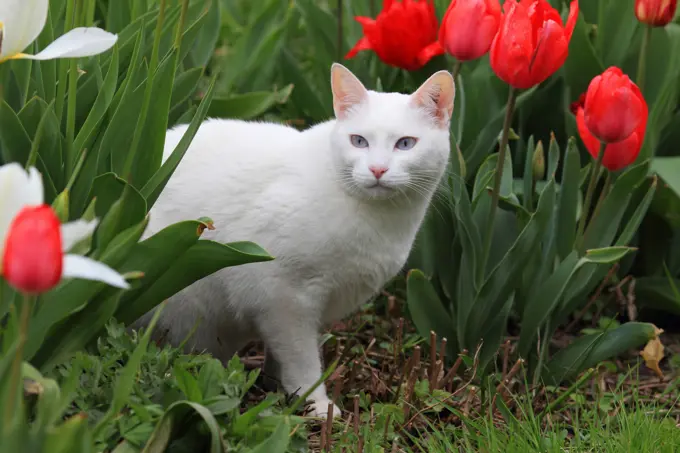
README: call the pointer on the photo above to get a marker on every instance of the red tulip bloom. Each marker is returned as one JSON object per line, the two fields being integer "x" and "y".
{"x": 403, "y": 35}
{"x": 33, "y": 256}
{"x": 656, "y": 13}
{"x": 468, "y": 27}
{"x": 532, "y": 42}
{"x": 614, "y": 106}
{"x": 616, "y": 155}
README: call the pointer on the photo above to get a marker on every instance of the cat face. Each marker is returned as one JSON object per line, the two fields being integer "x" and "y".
{"x": 388, "y": 145}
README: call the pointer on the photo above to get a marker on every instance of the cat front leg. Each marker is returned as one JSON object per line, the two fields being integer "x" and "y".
{"x": 291, "y": 336}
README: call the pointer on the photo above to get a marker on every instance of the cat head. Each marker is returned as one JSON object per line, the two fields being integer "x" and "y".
{"x": 388, "y": 145}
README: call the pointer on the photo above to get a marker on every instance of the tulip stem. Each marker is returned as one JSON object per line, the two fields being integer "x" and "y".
{"x": 642, "y": 59}
{"x": 456, "y": 69}
{"x": 498, "y": 177}
{"x": 14, "y": 391}
{"x": 600, "y": 200}
{"x": 594, "y": 173}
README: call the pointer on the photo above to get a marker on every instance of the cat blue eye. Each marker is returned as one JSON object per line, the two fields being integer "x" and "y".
{"x": 406, "y": 143}
{"x": 358, "y": 141}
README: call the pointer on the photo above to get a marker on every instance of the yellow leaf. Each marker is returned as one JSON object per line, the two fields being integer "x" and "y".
{"x": 653, "y": 353}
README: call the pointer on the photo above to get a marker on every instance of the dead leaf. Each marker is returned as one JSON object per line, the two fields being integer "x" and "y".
{"x": 653, "y": 353}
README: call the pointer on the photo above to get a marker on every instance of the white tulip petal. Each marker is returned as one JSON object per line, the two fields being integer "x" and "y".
{"x": 74, "y": 232}
{"x": 21, "y": 21}
{"x": 17, "y": 189}
{"x": 79, "y": 42}
{"x": 77, "y": 266}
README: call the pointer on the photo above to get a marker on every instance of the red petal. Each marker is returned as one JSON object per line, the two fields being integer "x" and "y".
{"x": 571, "y": 19}
{"x": 427, "y": 53}
{"x": 362, "y": 44}
{"x": 33, "y": 258}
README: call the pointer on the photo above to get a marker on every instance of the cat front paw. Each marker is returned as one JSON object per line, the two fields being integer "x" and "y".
{"x": 319, "y": 409}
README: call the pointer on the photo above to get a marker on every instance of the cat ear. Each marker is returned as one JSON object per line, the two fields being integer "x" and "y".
{"x": 435, "y": 97}
{"x": 348, "y": 91}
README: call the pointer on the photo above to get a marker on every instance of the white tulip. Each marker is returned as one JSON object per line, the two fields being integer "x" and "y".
{"x": 19, "y": 189}
{"x": 21, "y": 21}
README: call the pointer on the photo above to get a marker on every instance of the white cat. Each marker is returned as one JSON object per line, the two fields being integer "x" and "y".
{"x": 337, "y": 205}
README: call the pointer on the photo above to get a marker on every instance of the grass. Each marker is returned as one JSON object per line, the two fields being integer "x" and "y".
{"x": 383, "y": 384}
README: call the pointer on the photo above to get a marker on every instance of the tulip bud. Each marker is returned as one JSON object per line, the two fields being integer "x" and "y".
{"x": 33, "y": 256}
{"x": 538, "y": 162}
{"x": 61, "y": 206}
{"x": 468, "y": 28}
{"x": 656, "y": 13}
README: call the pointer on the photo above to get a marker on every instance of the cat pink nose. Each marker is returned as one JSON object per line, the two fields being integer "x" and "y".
{"x": 378, "y": 171}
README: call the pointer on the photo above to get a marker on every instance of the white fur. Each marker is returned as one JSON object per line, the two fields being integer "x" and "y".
{"x": 311, "y": 201}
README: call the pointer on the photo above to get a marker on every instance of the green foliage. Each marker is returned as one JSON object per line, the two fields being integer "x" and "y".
{"x": 539, "y": 270}
{"x": 95, "y": 129}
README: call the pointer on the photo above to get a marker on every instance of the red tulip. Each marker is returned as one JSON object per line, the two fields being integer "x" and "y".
{"x": 656, "y": 13}
{"x": 33, "y": 258}
{"x": 468, "y": 27}
{"x": 403, "y": 35}
{"x": 616, "y": 155}
{"x": 532, "y": 42}
{"x": 614, "y": 106}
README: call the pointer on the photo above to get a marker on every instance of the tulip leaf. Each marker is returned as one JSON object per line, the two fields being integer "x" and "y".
{"x": 152, "y": 189}
{"x": 78, "y": 330}
{"x": 498, "y": 286}
{"x": 567, "y": 206}
{"x": 118, "y": 205}
{"x": 427, "y": 310}
{"x": 153, "y": 257}
{"x": 607, "y": 255}
{"x": 249, "y": 105}
{"x": 582, "y": 63}
{"x": 98, "y": 109}
{"x": 72, "y": 295}
{"x": 49, "y": 149}
{"x": 657, "y": 293}
{"x": 589, "y": 350}
{"x": 198, "y": 261}
{"x": 150, "y": 149}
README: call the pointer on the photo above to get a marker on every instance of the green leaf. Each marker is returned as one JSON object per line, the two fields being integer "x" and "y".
{"x": 78, "y": 330}
{"x": 126, "y": 379}
{"x": 96, "y": 114}
{"x": 72, "y": 295}
{"x": 198, "y": 261}
{"x": 153, "y": 188}
{"x": 128, "y": 209}
{"x": 244, "y": 421}
{"x": 278, "y": 441}
{"x": 173, "y": 420}
{"x": 249, "y": 105}
{"x": 498, "y": 286}
{"x": 222, "y": 404}
{"x": 187, "y": 384}
{"x": 657, "y": 293}
{"x": 304, "y": 96}
{"x": 582, "y": 63}
{"x": 602, "y": 229}
{"x": 607, "y": 255}
{"x": 150, "y": 148}
{"x": 15, "y": 143}
{"x": 426, "y": 309}
{"x": 588, "y": 351}
{"x": 567, "y": 207}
